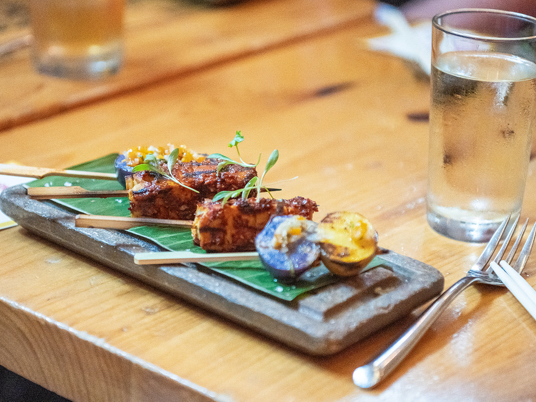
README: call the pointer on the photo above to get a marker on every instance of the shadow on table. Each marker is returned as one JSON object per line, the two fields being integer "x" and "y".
{"x": 14, "y": 388}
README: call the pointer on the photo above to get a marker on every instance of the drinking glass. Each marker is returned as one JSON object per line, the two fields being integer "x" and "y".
{"x": 77, "y": 39}
{"x": 483, "y": 108}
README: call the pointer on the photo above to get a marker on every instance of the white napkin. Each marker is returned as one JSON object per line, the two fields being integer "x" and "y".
{"x": 413, "y": 43}
{"x": 5, "y": 182}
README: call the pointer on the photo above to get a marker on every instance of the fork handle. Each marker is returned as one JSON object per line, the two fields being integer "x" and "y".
{"x": 371, "y": 374}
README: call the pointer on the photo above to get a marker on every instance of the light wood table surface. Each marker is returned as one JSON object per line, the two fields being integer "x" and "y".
{"x": 297, "y": 76}
{"x": 165, "y": 39}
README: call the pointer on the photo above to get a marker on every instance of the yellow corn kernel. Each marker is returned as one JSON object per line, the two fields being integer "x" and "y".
{"x": 136, "y": 156}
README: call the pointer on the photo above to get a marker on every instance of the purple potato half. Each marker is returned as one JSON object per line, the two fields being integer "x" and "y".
{"x": 122, "y": 169}
{"x": 287, "y": 263}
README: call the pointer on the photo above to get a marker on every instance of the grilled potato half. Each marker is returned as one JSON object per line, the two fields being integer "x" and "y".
{"x": 348, "y": 242}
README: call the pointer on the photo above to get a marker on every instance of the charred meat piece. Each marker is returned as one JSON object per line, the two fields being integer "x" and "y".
{"x": 155, "y": 196}
{"x": 234, "y": 226}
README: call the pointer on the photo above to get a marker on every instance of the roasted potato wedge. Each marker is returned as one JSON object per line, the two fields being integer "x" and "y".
{"x": 348, "y": 242}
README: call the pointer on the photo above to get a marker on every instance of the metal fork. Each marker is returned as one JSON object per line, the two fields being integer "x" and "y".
{"x": 371, "y": 374}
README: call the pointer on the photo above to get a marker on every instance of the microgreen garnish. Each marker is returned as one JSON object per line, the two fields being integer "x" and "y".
{"x": 254, "y": 183}
{"x": 225, "y": 160}
{"x": 151, "y": 164}
{"x": 244, "y": 192}
{"x": 274, "y": 156}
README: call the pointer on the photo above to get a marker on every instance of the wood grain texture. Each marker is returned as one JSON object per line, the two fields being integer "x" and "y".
{"x": 339, "y": 116}
{"x": 166, "y": 39}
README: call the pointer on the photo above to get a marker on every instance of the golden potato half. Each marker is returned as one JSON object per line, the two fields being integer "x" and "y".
{"x": 348, "y": 242}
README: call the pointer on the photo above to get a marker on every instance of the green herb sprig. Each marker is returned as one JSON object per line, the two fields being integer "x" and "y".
{"x": 151, "y": 164}
{"x": 225, "y": 160}
{"x": 254, "y": 183}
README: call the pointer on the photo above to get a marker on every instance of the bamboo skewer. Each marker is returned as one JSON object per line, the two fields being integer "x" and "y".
{"x": 124, "y": 222}
{"x": 177, "y": 257}
{"x": 39, "y": 173}
{"x": 47, "y": 193}
{"x": 57, "y": 192}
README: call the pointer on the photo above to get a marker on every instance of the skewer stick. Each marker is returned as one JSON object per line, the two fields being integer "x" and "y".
{"x": 47, "y": 193}
{"x": 124, "y": 222}
{"x": 57, "y": 192}
{"x": 177, "y": 257}
{"x": 39, "y": 173}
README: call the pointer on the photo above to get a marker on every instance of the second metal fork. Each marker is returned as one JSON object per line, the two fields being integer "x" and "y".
{"x": 371, "y": 374}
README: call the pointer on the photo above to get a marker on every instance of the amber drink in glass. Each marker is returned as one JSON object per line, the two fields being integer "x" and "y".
{"x": 77, "y": 39}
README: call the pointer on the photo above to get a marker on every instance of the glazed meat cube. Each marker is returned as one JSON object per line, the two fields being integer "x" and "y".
{"x": 234, "y": 226}
{"x": 155, "y": 196}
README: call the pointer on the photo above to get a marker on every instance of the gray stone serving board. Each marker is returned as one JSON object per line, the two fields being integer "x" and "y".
{"x": 320, "y": 323}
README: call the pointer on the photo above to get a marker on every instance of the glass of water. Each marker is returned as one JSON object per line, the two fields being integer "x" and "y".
{"x": 483, "y": 110}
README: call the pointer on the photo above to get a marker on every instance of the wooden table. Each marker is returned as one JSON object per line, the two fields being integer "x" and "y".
{"x": 291, "y": 74}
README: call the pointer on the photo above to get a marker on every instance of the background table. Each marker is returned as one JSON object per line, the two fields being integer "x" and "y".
{"x": 293, "y": 75}
{"x": 166, "y": 39}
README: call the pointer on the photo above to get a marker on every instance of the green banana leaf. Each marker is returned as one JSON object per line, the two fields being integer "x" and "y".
{"x": 250, "y": 273}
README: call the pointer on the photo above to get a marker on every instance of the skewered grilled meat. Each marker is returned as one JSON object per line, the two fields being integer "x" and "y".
{"x": 155, "y": 196}
{"x": 234, "y": 226}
